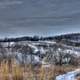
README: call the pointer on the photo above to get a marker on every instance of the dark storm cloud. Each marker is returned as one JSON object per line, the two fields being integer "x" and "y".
{"x": 39, "y": 17}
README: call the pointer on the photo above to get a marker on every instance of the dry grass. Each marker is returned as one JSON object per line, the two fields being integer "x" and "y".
{"x": 16, "y": 72}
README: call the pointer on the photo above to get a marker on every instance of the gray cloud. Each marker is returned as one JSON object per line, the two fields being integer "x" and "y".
{"x": 8, "y": 3}
{"x": 39, "y": 17}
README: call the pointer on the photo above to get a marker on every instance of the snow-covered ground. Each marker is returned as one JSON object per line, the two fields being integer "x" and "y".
{"x": 34, "y": 47}
{"x": 68, "y": 76}
{"x": 40, "y": 50}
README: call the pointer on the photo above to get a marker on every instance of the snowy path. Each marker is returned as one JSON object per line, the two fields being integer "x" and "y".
{"x": 69, "y": 75}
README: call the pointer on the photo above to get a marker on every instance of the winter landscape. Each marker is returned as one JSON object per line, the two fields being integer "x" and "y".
{"x": 39, "y": 39}
{"x": 40, "y": 58}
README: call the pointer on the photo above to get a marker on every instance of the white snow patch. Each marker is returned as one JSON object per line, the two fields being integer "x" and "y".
{"x": 68, "y": 76}
{"x": 33, "y": 46}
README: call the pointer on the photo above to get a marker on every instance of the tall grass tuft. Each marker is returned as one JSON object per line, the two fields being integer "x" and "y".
{"x": 28, "y": 72}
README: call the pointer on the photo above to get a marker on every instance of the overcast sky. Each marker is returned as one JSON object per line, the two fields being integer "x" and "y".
{"x": 39, "y": 17}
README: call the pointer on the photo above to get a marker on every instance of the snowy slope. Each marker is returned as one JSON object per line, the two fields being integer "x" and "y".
{"x": 69, "y": 75}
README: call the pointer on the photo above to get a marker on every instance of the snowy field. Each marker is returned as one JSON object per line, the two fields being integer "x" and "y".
{"x": 68, "y": 76}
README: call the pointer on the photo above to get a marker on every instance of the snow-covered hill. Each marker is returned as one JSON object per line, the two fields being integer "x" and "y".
{"x": 46, "y": 50}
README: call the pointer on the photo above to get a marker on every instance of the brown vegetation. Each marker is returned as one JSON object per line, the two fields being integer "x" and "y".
{"x": 17, "y": 72}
